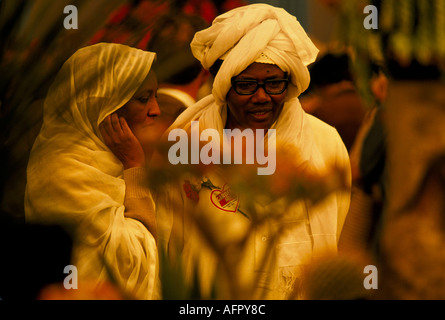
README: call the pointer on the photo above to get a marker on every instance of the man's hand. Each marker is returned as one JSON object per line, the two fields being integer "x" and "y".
{"x": 122, "y": 142}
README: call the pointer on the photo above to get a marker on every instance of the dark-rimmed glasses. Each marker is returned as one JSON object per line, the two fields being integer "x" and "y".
{"x": 245, "y": 87}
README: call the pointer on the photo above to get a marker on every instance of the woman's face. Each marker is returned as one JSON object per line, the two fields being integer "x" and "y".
{"x": 141, "y": 111}
{"x": 258, "y": 110}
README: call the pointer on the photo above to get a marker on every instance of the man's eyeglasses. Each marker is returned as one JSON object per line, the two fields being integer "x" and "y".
{"x": 248, "y": 87}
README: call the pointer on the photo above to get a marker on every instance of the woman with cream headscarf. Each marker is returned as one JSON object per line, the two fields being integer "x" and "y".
{"x": 259, "y": 55}
{"x": 86, "y": 169}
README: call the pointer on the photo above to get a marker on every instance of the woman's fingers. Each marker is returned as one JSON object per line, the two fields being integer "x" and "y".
{"x": 116, "y": 124}
{"x": 122, "y": 142}
{"x": 125, "y": 128}
{"x": 104, "y": 128}
{"x": 111, "y": 129}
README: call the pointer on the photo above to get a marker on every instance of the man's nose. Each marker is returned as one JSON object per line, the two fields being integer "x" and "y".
{"x": 260, "y": 96}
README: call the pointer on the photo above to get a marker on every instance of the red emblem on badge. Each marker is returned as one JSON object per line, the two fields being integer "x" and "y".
{"x": 224, "y": 199}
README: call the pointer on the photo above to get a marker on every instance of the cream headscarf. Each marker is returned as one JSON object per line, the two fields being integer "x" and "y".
{"x": 75, "y": 180}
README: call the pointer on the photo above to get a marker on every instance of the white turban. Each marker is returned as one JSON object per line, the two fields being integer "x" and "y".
{"x": 244, "y": 34}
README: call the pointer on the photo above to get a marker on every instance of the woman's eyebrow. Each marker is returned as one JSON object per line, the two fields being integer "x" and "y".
{"x": 149, "y": 91}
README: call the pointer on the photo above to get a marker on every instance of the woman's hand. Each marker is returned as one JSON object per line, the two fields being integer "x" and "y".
{"x": 122, "y": 142}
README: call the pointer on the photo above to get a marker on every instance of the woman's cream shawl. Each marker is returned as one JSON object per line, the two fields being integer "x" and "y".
{"x": 74, "y": 180}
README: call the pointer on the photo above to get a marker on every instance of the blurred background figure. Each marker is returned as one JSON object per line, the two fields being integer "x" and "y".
{"x": 404, "y": 144}
{"x": 181, "y": 76}
{"x": 368, "y": 163}
{"x": 333, "y": 97}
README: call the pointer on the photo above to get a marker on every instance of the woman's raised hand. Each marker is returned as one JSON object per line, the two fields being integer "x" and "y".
{"x": 122, "y": 142}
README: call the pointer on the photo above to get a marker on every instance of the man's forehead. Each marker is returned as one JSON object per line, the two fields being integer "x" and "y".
{"x": 261, "y": 69}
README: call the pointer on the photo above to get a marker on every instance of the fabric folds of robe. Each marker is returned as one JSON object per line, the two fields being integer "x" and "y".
{"x": 320, "y": 146}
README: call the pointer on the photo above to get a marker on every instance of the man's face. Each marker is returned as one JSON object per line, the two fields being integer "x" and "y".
{"x": 260, "y": 109}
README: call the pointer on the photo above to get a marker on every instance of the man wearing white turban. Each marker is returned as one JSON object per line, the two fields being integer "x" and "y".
{"x": 259, "y": 56}
{"x": 86, "y": 170}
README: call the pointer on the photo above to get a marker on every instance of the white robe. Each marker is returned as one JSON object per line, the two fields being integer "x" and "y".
{"x": 311, "y": 231}
{"x": 240, "y": 37}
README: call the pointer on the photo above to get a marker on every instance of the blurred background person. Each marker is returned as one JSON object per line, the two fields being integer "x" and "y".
{"x": 333, "y": 97}
{"x": 369, "y": 178}
{"x": 402, "y": 151}
{"x": 181, "y": 76}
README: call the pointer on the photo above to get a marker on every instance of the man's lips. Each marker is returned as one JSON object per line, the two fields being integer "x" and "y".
{"x": 260, "y": 114}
